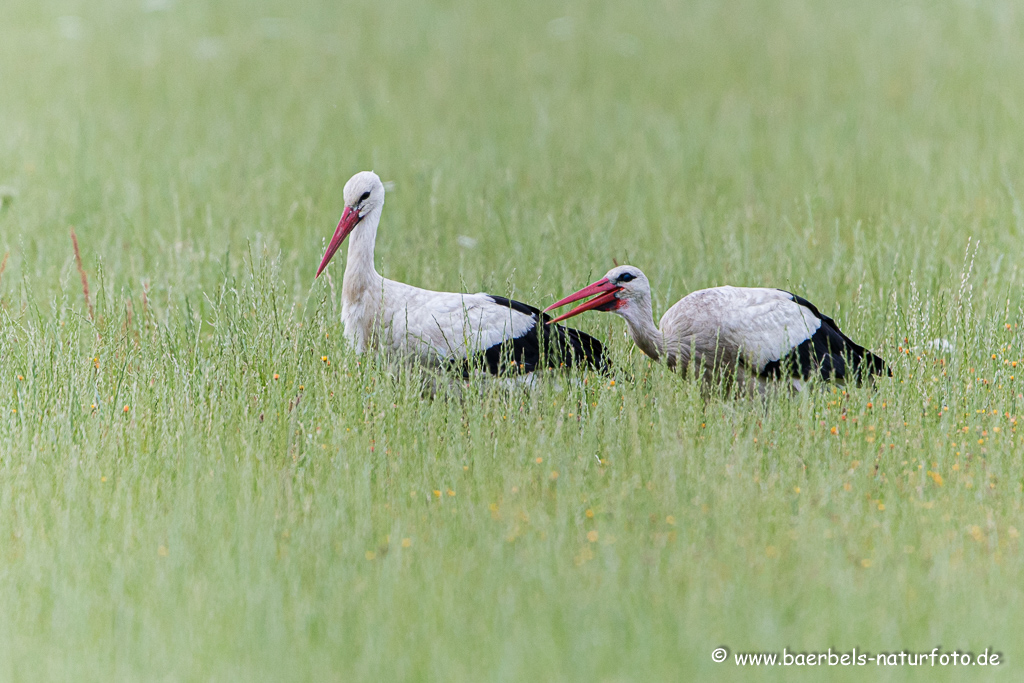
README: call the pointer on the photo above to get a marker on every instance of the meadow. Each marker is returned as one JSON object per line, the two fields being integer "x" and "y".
{"x": 199, "y": 480}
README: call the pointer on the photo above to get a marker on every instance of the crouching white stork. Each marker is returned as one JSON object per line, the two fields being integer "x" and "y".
{"x": 440, "y": 329}
{"x": 759, "y": 334}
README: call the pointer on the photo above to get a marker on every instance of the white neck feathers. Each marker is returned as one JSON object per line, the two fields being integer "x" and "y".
{"x": 362, "y": 287}
{"x": 640, "y": 321}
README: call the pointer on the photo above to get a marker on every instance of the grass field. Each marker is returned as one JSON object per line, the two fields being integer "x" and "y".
{"x": 188, "y": 491}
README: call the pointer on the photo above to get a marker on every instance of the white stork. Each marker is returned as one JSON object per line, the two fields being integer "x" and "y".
{"x": 760, "y": 334}
{"x": 459, "y": 331}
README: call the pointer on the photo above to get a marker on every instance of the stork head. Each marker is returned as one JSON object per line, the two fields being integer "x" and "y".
{"x": 364, "y": 194}
{"x": 622, "y": 288}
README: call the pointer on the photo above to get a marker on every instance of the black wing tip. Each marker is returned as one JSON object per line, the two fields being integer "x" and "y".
{"x": 561, "y": 347}
{"x": 828, "y": 353}
{"x": 592, "y": 351}
{"x": 875, "y": 365}
{"x": 864, "y": 362}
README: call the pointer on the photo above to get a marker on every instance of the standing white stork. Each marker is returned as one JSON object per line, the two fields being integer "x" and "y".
{"x": 439, "y": 329}
{"x": 759, "y": 334}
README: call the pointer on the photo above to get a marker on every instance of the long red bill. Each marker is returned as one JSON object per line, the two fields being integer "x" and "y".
{"x": 348, "y": 221}
{"x": 605, "y": 289}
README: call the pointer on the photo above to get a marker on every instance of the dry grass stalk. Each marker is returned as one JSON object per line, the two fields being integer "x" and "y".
{"x": 81, "y": 271}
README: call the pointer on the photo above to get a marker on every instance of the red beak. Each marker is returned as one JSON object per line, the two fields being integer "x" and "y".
{"x": 605, "y": 302}
{"x": 349, "y": 219}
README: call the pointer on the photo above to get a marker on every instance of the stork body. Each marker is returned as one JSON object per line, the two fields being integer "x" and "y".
{"x": 759, "y": 334}
{"x": 440, "y": 329}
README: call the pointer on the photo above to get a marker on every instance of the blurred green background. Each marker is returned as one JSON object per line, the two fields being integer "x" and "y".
{"x": 750, "y": 142}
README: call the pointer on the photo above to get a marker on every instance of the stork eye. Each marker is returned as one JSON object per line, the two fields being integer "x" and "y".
{"x": 366, "y": 195}
{"x": 627, "y": 277}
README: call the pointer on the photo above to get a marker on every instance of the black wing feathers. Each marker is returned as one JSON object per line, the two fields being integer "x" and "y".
{"x": 517, "y": 306}
{"x": 829, "y": 353}
{"x": 543, "y": 345}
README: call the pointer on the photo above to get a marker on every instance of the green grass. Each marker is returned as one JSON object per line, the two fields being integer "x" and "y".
{"x": 171, "y": 511}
